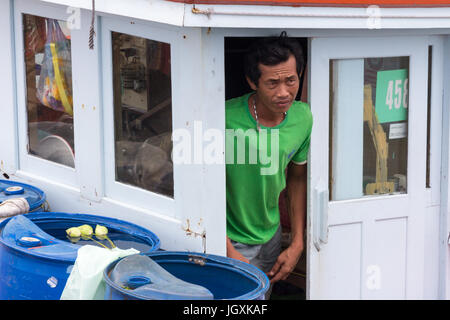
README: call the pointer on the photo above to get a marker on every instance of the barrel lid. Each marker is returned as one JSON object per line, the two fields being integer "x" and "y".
{"x": 22, "y": 234}
{"x": 136, "y": 281}
{"x": 215, "y": 267}
{"x": 13, "y": 189}
{"x": 28, "y": 242}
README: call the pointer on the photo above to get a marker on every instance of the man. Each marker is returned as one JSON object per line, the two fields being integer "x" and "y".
{"x": 272, "y": 68}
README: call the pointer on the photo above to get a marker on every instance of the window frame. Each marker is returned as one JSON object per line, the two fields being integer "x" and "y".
{"x": 113, "y": 188}
{"x": 435, "y": 117}
{"x": 28, "y": 162}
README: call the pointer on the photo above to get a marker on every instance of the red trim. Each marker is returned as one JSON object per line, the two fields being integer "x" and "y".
{"x": 324, "y": 3}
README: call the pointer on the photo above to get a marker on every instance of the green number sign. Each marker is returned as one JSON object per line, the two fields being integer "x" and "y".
{"x": 392, "y": 95}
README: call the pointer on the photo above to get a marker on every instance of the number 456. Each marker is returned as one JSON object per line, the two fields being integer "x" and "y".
{"x": 397, "y": 93}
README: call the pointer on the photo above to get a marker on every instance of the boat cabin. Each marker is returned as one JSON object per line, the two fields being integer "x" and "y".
{"x": 128, "y": 122}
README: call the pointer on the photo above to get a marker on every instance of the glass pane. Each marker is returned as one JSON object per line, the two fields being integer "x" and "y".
{"x": 142, "y": 113}
{"x": 368, "y": 127}
{"x": 48, "y": 66}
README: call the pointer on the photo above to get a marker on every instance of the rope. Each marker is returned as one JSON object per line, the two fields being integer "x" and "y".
{"x": 92, "y": 29}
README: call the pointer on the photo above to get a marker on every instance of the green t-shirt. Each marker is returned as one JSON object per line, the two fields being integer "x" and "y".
{"x": 255, "y": 170}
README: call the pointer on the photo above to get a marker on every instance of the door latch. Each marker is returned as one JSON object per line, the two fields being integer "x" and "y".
{"x": 320, "y": 216}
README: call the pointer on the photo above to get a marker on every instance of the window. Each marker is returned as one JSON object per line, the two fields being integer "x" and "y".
{"x": 142, "y": 81}
{"x": 49, "y": 104}
{"x": 368, "y": 126}
{"x": 142, "y": 113}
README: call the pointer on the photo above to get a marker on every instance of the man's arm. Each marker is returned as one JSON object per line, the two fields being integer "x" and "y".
{"x": 296, "y": 196}
{"x": 233, "y": 253}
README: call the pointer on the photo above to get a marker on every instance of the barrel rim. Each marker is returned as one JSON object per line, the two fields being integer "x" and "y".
{"x": 248, "y": 269}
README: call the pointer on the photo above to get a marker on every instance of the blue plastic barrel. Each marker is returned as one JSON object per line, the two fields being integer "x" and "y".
{"x": 12, "y": 189}
{"x": 36, "y": 258}
{"x": 225, "y": 278}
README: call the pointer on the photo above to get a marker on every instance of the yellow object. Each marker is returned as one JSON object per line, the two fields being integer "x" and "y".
{"x": 101, "y": 231}
{"x": 86, "y": 230}
{"x": 73, "y": 232}
{"x": 59, "y": 82}
{"x": 381, "y": 185}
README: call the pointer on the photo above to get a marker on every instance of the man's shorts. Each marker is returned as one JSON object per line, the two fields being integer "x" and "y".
{"x": 262, "y": 256}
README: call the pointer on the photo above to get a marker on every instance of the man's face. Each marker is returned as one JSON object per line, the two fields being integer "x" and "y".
{"x": 277, "y": 86}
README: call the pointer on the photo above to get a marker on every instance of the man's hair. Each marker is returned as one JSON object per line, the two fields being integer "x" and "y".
{"x": 271, "y": 51}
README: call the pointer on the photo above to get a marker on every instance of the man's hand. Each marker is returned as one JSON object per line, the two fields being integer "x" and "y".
{"x": 286, "y": 262}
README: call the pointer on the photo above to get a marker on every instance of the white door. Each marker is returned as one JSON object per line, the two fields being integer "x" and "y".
{"x": 367, "y": 168}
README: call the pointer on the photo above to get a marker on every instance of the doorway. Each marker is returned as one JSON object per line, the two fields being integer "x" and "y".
{"x": 294, "y": 287}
